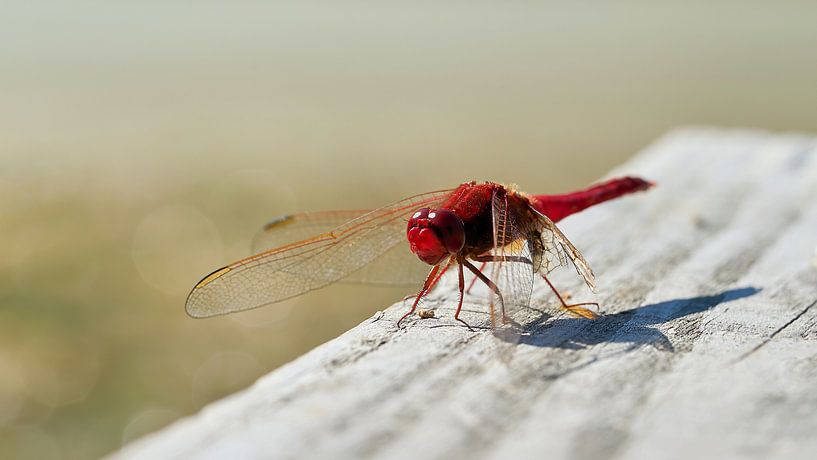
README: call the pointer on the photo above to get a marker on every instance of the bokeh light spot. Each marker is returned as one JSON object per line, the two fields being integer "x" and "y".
{"x": 174, "y": 244}
{"x": 11, "y": 388}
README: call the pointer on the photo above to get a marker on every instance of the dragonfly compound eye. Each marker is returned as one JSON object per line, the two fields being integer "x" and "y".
{"x": 433, "y": 235}
{"x": 449, "y": 228}
{"x": 418, "y": 219}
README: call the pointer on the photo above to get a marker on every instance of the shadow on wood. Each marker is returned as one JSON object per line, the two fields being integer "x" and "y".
{"x": 630, "y": 326}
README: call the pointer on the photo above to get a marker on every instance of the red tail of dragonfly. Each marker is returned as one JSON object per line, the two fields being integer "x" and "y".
{"x": 488, "y": 223}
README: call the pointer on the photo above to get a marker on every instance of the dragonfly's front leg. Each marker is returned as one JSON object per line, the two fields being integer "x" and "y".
{"x": 431, "y": 280}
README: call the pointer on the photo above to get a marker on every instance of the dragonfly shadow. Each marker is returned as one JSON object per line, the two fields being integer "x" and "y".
{"x": 634, "y": 326}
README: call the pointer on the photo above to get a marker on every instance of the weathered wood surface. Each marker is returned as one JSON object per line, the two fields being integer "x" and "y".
{"x": 708, "y": 348}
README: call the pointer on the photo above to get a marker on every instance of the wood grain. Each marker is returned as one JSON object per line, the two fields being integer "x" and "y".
{"x": 708, "y": 346}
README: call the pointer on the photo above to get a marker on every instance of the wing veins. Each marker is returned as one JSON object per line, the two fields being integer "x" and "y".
{"x": 292, "y": 269}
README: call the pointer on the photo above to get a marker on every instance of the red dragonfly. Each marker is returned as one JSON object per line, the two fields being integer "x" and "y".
{"x": 487, "y": 223}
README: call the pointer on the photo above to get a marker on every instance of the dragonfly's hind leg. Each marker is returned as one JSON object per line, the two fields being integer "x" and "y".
{"x": 576, "y": 308}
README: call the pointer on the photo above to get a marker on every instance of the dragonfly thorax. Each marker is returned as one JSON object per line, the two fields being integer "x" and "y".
{"x": 435, "y": 234}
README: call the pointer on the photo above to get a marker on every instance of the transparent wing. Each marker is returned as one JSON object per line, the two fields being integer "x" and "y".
{"x": 512, "y": 271}
{"x": 397, "y": 266}
{"x": 552, "y": 249}
{"x": 296, "y": 268}
{"x": 296, "y": 227}
{"x": 524, "y": 245}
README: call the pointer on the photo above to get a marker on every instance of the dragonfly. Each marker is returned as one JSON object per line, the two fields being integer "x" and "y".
{"x": 502, "y": 236}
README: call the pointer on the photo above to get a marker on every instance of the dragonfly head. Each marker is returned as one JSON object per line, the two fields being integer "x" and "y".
{"x": 434, "y": 234}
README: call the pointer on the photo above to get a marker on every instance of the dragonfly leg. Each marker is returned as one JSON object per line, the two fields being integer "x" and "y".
{"x": 462, "y": 295}
{"x": 575, "y": 308}
{"x": 486, "y": 259}
{"x": 489, "y": 258}
{"x": 474, "y": 281}
{"x": 433, "y": 283}
{"x": 493, "y": 287}
{"x": 431, "y": 280}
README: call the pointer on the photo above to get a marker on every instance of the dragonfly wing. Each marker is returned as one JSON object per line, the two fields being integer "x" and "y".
{"x": 553, "y": 249}
{"x": 293, "y": 269}
{"x": 513, "y": 272}
{"x": 397, "y": 266}
{"x": 290, "y": 228}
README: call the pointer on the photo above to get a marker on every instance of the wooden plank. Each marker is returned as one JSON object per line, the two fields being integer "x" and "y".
{"x": 707, "y": 348}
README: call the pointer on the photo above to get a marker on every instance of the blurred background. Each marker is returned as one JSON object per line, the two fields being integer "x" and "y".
{"x": 143, "y": 143}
